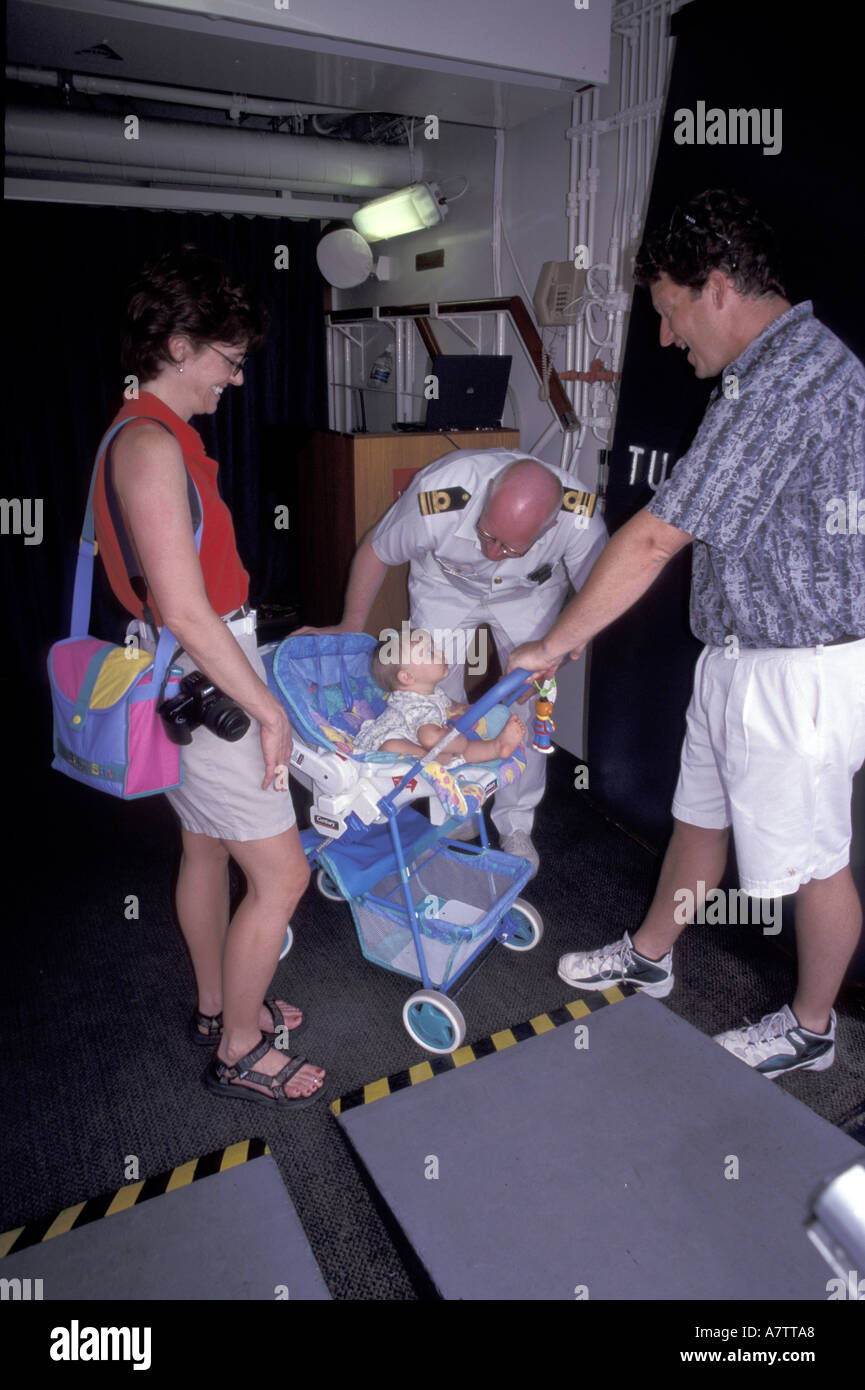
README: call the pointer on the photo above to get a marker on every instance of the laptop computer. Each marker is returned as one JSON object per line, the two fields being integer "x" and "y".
{"x": 471, "y": 393}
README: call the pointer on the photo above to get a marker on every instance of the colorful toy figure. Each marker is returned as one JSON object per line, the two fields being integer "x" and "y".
{"x": 543, "y": 726}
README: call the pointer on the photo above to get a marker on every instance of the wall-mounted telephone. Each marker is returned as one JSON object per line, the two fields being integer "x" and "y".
{"x": 559, "y": 284}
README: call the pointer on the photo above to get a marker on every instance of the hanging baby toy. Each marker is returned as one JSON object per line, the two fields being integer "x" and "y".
{"x": 543, "y": 726}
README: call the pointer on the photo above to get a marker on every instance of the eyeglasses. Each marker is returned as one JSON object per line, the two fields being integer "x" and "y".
{"x": 235, "y": 366}
{"x": 508, "y": 549}
{"x": 678, "y": 216}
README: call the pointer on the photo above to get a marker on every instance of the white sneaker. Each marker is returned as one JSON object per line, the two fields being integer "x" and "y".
{"x": 618, "y": 964}
{"x": 519, "y": 844}
{"x": 779, "y": 1044}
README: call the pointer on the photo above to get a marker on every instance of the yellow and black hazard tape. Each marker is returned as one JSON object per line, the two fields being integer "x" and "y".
{"x": 130, "y": 1195}
{"x": 484, "y": 1047}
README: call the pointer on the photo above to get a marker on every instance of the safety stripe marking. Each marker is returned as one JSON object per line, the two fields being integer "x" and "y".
{"x": 8, "y": 1239}
{"x": 484, "y": 1047}
{"x": 131, "y": 1194}
{"x": 125, "y": 1198}
{"x": 542, "y": 1024}
{"x": 375, "y": 1091}
{"x": 181, "y": 1176}
{"x": 65, "y": 1221}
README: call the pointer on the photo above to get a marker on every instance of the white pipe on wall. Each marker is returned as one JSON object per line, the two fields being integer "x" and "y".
{"x": 346, "y": 391}
{"x": 613, "y": 252}
{"x": 190, "y": 178}
{"x": 331, "y": 413}
{"x": 642, "y": 33}
{"x": 311, "y": 161}
{"x": 410, "y": 341}
{"x": 176, "y": 96}
{"x": 498, "y": 211}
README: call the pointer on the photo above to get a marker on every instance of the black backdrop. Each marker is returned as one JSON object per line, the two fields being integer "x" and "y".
{"x": 729, "y": 55}
{"x": 66, "y": 272}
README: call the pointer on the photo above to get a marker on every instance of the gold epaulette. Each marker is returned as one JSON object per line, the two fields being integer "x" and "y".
{"x": 446, "y": 499}
{"x": 581, "y": 503}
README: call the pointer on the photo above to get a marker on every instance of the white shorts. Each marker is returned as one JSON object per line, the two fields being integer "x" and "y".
{"x": 773, "y": 740}
{"x": 222, "y": 795}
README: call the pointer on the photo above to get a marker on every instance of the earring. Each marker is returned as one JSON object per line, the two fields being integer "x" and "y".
{"x": 180, "y": 367}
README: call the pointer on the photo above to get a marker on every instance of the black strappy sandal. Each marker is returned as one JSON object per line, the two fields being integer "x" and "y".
{"x": 213, "y": 1024}
{"x": 219, "y": 1078}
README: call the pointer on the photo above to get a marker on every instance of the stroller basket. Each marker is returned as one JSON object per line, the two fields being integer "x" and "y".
{"x": 460, "y": 896}
{"x": 423, "y": 906}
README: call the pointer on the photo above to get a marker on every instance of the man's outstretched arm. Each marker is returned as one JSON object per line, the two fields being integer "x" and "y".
{"x": 365, "y": 578}
{"x": 624, "y": 570}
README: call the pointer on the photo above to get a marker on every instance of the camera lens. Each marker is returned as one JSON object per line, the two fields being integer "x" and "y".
{"x": 226, "y": 720}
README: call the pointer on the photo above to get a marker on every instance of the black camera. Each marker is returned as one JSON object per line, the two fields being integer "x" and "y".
{"x": 201, "y": 702}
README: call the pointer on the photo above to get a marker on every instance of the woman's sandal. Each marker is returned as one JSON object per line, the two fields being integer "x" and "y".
{"x": 213, "y": 1024}
{"x": 220, "y": 1078}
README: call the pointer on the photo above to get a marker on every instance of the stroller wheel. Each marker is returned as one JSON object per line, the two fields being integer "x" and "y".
{"x": 524, "y": 927}
{"x": 434, "y": 1021}
{"x": 327, "y": 888}
{"x": 287, "y": 943}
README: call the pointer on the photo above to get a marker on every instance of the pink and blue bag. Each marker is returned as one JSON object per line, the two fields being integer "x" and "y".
{"x": 108, "y": 732}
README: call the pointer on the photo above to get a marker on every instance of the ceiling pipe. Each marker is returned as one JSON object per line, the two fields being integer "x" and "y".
{"x": 224, "y": 201}
{"x": 192, "y": 178}
{"x": 160, "y": 146}
{"x": 234, "y": 103}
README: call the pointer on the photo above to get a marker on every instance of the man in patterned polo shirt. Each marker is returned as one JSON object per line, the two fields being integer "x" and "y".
{"x": 769, "y": 494}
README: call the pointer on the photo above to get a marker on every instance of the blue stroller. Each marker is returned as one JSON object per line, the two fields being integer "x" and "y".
{"x": 424, "y": 905}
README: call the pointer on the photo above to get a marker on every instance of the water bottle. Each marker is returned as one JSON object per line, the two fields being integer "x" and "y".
{"x": 381, "y": 369}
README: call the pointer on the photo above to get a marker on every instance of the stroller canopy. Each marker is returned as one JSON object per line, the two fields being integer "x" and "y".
{"x": 323, "y": 679}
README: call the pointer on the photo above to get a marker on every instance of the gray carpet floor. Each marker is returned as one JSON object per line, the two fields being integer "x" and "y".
{"x": 98, "y": 1066}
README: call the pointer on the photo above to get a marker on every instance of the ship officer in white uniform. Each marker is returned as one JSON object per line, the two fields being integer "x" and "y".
{"x": 491, "y": 537}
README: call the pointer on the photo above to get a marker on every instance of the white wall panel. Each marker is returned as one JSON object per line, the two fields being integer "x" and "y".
{"x": 543, "y": 36}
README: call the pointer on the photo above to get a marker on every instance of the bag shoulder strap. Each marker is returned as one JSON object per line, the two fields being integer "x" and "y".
{"x": 83, "y": 587}
{"x": 130, "y": 560}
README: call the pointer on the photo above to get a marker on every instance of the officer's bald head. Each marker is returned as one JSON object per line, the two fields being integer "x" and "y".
{"x": 523, "y": 500}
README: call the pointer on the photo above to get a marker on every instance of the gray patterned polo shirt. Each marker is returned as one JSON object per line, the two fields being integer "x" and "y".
{"x": 773, "y": 489}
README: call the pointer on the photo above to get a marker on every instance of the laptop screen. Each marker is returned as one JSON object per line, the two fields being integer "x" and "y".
{"x": 471, "y": 391}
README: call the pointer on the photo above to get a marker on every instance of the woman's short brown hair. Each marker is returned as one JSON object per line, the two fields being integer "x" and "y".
{"x": 190, "y": 292}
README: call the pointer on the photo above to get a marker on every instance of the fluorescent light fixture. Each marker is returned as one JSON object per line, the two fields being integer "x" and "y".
{"x": 408, "y": 210}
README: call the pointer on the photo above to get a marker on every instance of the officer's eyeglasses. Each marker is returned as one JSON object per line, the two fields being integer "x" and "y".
{"x": 681, "y": 221}
{"x": 508, "y": 549}
{"x": 236, "y": 367}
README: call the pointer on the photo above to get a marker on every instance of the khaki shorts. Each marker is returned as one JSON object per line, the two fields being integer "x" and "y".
{"x": 773, "y": 740}
{"x": 221, "y": 795}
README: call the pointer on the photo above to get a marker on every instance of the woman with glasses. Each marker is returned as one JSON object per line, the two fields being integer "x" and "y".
{"x": 189, "y": 326}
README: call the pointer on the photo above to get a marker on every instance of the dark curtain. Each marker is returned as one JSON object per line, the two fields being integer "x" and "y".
{"x": 735, "y": 55}
{"x": 67, "y": 270}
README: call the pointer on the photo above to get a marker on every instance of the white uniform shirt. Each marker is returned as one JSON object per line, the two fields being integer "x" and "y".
{"x": 439, "y": 538}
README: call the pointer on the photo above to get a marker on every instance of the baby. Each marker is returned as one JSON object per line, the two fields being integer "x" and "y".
{"x": 417, "y": 711}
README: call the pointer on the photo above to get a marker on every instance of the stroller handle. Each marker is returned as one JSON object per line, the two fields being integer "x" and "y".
{"x": 502, "y": 693}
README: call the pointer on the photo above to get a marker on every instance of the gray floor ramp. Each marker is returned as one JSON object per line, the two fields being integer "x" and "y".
{"x": 624, "y": 1156}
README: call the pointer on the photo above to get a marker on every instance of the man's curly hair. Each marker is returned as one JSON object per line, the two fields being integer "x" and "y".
{"x": 719, "y": 229}
{"x": 190, "y": 292}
